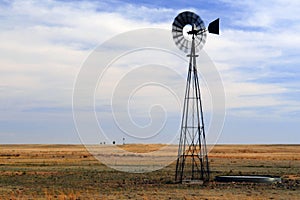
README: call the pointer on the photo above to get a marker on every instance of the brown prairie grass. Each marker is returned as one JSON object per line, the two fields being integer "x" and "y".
{"x": 141, "y": 148}
{"x": 70, "y": 172}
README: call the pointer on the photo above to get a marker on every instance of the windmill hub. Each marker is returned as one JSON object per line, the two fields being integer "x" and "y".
{"x": 189, "y": 34}
{"x": 185, "y": 31}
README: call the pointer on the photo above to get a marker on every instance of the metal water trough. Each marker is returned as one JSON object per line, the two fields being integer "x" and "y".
{"x": 249, "y": 179}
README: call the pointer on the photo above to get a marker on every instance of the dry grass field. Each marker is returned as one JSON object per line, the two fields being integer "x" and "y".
{"x": 70, "y": 172}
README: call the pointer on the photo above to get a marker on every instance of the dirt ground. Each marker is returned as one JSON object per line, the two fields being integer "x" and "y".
{"x": 71, "y": 172}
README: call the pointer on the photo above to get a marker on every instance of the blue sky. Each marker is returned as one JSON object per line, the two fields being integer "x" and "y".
{"x": 44, "y": 43}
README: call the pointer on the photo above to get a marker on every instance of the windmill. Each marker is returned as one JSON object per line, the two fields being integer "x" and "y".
{"x": 189, "y": 34}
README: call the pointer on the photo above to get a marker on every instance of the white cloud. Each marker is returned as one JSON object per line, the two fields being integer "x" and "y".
{"x": 44, "y": 43}
{"x": 261, "y": 46}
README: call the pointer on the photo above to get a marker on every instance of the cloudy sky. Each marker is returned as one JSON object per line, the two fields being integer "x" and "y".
{"x": 44, "y": 44}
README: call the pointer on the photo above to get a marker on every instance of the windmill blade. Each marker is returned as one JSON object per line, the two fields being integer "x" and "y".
{"x": 213, "y": 27}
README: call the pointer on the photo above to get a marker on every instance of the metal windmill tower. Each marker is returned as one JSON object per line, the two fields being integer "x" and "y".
{"x": 192, "y": 161}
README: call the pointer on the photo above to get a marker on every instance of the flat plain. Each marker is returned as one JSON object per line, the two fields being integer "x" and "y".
{"x": 71, "y": 172}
